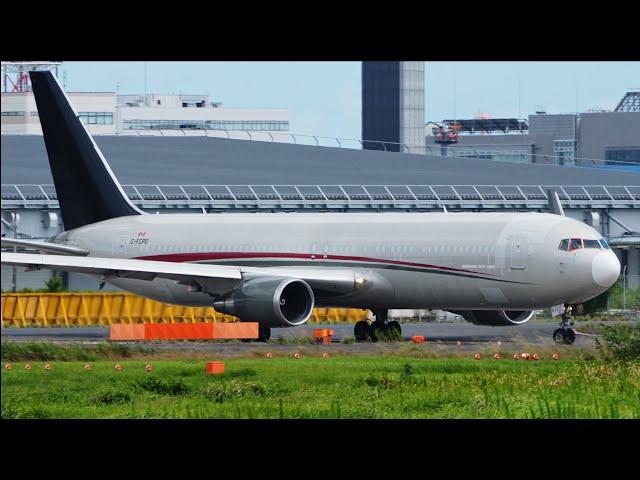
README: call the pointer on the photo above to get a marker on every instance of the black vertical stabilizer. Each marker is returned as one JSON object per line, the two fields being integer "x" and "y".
{"x": 88, "y": 192}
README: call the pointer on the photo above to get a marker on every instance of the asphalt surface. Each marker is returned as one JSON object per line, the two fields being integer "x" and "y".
{"x": 218, "y": 161}
{"x": 443, "y": 336}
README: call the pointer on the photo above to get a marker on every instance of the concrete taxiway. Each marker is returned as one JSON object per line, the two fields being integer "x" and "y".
{"x": 441, "y": 335}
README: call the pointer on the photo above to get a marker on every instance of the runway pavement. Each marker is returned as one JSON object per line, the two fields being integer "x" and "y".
{"x": 444, "y": 335}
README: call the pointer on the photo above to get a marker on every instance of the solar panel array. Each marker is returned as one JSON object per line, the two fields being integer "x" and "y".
{"x": 362, "y": 196}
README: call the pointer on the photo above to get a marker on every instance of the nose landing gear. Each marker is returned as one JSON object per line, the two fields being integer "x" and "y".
{"x": 565, "y": 334}
{"x": 380, "y": 329}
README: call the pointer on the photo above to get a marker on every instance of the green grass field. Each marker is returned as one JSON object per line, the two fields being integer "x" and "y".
{"x": 335, "y": 387}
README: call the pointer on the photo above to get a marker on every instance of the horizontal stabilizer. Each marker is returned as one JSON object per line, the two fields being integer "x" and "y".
{"x": 120, "y": 267}
{"x": 45, "y": 247}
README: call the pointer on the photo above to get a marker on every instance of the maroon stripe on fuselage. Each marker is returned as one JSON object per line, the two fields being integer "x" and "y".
{"x": 196, "y": 257}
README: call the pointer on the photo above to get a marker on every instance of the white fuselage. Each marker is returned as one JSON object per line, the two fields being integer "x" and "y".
{"x": 421, "y": 260}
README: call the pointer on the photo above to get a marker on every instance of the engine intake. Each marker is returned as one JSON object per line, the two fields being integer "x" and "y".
{"x": 496, "y": 318}
{"x": 273, "y": 302}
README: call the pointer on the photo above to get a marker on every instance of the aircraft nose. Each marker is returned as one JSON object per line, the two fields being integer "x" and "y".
{"x": 605, "y": 269}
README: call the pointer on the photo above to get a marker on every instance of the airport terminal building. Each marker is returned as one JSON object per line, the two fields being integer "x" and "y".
{"x": 106, "y": 113}
{"x": 560, "y": 139}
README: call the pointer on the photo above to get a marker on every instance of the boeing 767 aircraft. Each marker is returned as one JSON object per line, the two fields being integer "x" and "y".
{"x": 273, "y": 268}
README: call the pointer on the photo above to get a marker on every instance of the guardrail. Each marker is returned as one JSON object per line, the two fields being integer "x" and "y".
{"x": 343, "y": 196}
{"x": 104, "y": 308}
{"x": 451, "y": 150}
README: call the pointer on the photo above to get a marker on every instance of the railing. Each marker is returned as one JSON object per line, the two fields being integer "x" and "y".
{"x": 342, "y": 196}
{"x": 357, "y": 143}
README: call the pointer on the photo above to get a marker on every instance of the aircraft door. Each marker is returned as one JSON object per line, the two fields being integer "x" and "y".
{"x": 518, "y": 253}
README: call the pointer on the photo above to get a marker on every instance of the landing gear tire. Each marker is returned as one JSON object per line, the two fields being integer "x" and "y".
{"x": 394, "y": 331}
{"x": 558, "y": 336}
{"x": 361, "y": 331}
{"x": 264, "y": 334}
{"x": 570, "y": 336}
{"x": 377, "y": 331}
{"x": 566, "y": 336}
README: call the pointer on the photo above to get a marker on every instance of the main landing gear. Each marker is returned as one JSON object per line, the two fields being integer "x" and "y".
{"x": 565, "y": 334}
{"x": 264, "y": 334}
{"x": 379, "y": 329}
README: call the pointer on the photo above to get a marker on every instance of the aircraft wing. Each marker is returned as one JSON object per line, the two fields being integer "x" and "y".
{"x": 44, "y": 246}
{"x": 121, "y": 267}
{"x": 214, "y": 278}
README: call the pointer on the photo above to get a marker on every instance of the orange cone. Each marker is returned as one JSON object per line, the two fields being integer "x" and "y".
{"x": 477, "y": 356}
{"x": 297, "y": 355}
{"x": 555, "y": 356}
{"x": 7, "y": 366}
{"x": 47, "y": 367}
{"x": 87, "y": 366}
{"x": 148, "y": 368}
{"x": 27, "y": 366}
{"x": 117, "y": 367}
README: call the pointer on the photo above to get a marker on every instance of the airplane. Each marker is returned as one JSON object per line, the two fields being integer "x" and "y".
{"x": 273, "y": 268}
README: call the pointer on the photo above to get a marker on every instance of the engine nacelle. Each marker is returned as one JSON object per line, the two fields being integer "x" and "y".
{"x": 273, "y": 302}
{"x": 496, "y": 318}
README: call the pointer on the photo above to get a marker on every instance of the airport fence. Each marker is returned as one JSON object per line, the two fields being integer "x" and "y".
{"x": 624, "y": 296}
{"x": 80, "y": 309}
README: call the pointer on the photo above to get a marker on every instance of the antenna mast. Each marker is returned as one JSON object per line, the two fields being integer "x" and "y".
{"x": 15, "y": 75}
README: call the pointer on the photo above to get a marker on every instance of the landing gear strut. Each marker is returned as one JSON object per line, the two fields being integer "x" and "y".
{"x": 264, "y": 334}
{"x": 565, "y": 334}
{"x": 380, "y": 329}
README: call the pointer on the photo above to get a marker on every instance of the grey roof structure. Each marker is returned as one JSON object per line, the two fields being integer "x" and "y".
{"x": 206, "y": 160}
{"x": 629, "y": 103}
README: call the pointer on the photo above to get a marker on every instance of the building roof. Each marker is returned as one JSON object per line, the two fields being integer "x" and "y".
{"x": 217, "y": 161}
{"x": 488, "y": 124}
{"x": 629, "y": 103}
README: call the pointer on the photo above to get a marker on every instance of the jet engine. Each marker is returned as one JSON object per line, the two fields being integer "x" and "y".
{"x": 496, "y": 318}
{"x": 273, "y": 302}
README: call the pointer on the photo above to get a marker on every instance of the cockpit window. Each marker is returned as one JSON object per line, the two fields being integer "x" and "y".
{"x": 591, "y": 243}
{"x": 570, "y": 244}
{"x": 575, "y": 244}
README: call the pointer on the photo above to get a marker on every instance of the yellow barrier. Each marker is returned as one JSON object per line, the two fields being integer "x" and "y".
{"x": 86, "y": 309}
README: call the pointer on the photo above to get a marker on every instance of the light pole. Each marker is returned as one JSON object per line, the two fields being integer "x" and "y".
{"x": 14, "y": 272}
{"x": 624, "y": 289}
